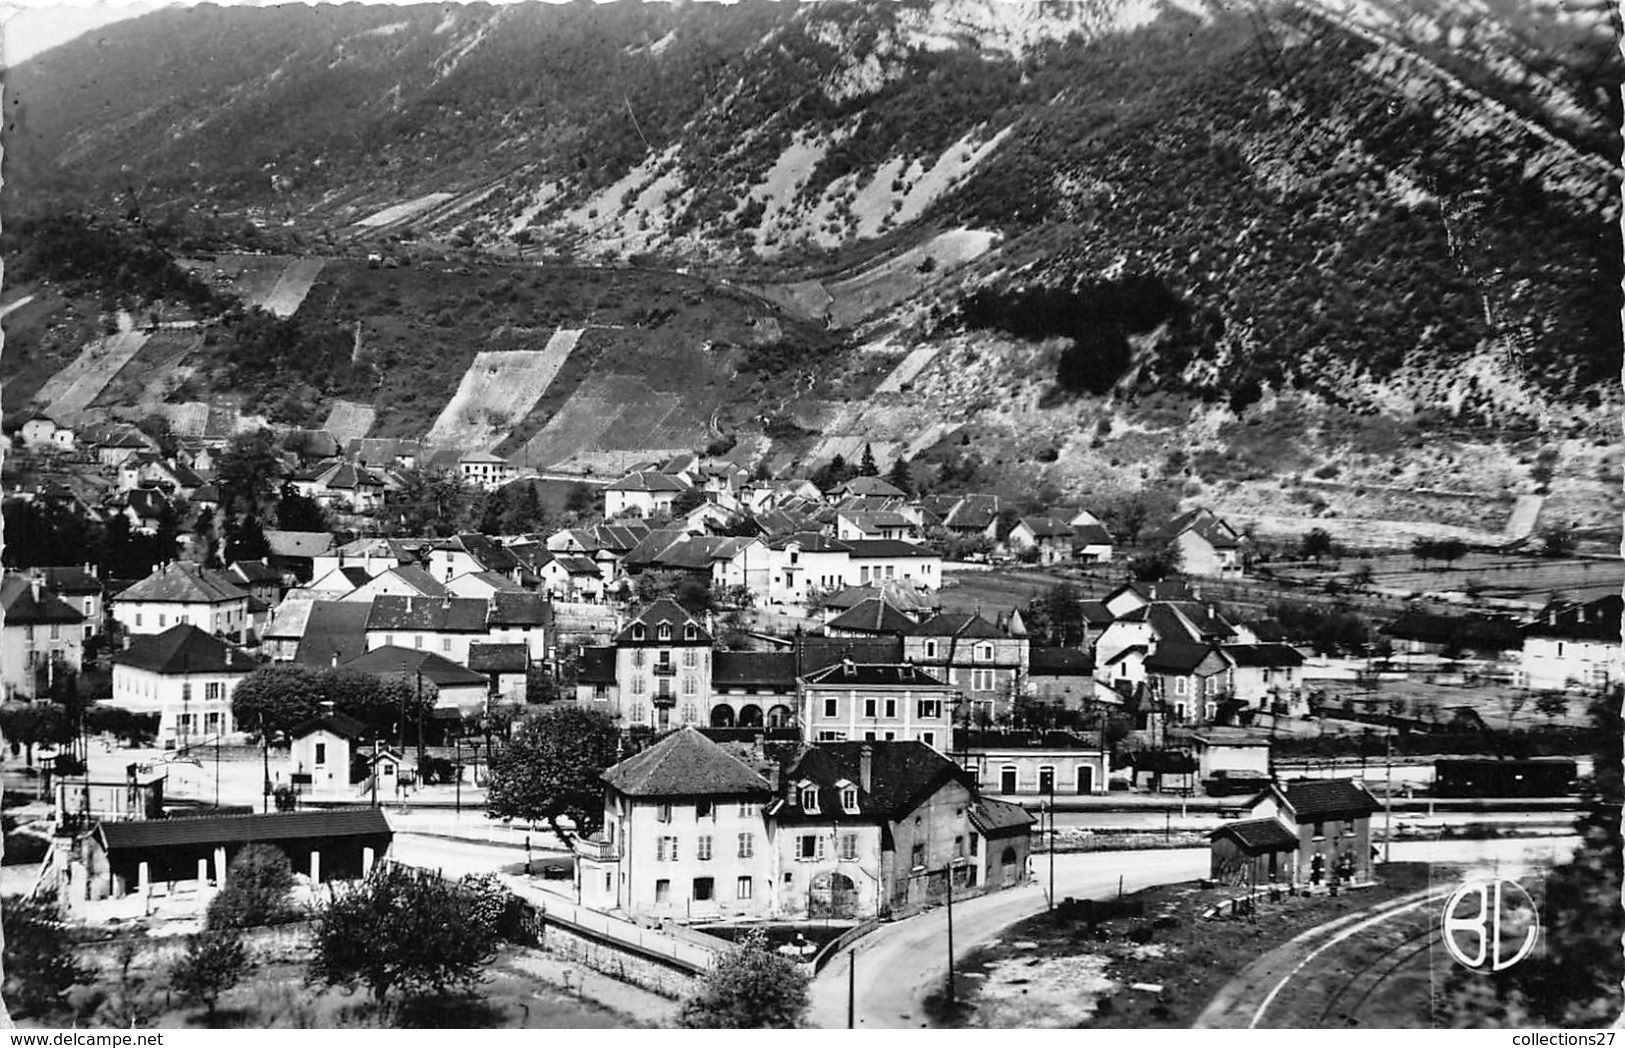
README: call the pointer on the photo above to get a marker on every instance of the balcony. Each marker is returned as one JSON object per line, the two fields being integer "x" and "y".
{"x": 665, "y": 698}
{"x": 665, "y": 669}
{"x": 599, "y": 850}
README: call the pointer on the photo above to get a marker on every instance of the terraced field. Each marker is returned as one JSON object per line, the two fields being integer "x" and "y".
{"x": 74, "y": 388}
{"x": 499, "y": 389}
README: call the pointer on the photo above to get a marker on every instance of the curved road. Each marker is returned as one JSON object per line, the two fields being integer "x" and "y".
{"x": 899, "y": 964}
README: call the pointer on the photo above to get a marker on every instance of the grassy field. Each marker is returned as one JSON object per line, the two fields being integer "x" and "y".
{"x": 1054, "y": 970}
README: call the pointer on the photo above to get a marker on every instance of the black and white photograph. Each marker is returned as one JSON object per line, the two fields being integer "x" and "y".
{"x": 920, "y": 515}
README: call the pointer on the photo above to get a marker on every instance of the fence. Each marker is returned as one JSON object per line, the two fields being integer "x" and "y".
{"x": 841, "y": 942}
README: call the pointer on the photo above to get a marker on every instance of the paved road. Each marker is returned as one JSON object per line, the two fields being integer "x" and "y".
{"x": 898, "y": 965}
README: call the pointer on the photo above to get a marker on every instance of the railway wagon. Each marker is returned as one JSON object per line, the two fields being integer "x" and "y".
{"x": 1511, "y": 777}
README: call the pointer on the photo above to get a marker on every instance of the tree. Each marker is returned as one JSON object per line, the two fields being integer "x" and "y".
{"x": 899, "y": 476}
{"x": 1157, "y": 564}
{"x": 258, "y": 883}
{"x": 1450, "y": 550}
{"x": 580, "y": 500}
{"x": 296, "y": 512}
{"x": 38, "y": 960}
{"x": 551, "y": 766}
{"x": 1552, "y": 704}
{"x": 212, "y": 964}
{"x": 751, "y": 988}
{"x": 687, "y": 501}
{"x": 1557, "y": 540}
{"x": 1056, "y": 616}
{"x": 245, "y": 539}
{"x": 434, "y": 501}
{"x": 280, "y": 696}
{"x": 275, "y": 697}
{"x": 406, "y": 930}
{"x": 1317, "y": 543}
{"x": 866, "y": 466}
{"x": 1424, "y": 550}
{"x": 247, "y": 472}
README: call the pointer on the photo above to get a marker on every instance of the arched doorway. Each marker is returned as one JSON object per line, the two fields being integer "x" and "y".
{"x": 750, "y": 716}
{"x": 778, "y": 717}
{"x": 832, "y": 895}
{"x": 1007, "y": 867}
{"x": 722, "y": 716}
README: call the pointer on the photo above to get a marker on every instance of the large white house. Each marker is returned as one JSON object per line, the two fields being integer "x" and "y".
{"x": 1573, "y": 645}
{"x": 186, "y": 677}
{"x": 642, "y": 494}
{"x": 41, "y": 630}
{"x": 178, "y": 594}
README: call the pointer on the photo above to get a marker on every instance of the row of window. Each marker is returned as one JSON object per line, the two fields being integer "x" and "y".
{"x": 691, "y": 657}
{"x": 834, "y": 735}
{"x": 924, "y": 709}
{"x": 184, "y": 619}
{"x": 663, "y": 631}
{"x": 704, "y": 810}
{"x": 640, "y": 685}
{"x": 979, "y": 652}
{"x": 704, "y": 889}
{"x": 666, "y": 848}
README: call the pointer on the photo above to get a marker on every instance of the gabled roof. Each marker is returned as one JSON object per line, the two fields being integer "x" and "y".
{"x": 663, "y": 612}
{"x": 345, "y": 476}
{"x": 815, "y": 653}
{"x": 498, "y": 582}
{"x": 343, "y": 726}
{"x": 649, "y": 481}
{"x": 1270, "y": 655}
{"x": 996, "y": 818}
{"x": 446, "y": 615}
{"x": 520, "y": 610}
{"x": 426, "y": 585}
{"x": 961, "y": 624}
{"x": 774, "y": 669}
{"x": 1095, "y": 613}
{"x": 648, "y": 553}
{"x": 870, "y": 486}
{"x": 21, "y": 608}
{"x": 873, "y": 675}
{"x": 901, "y": 776}
{"x": 181, "y": 583}
{"x": 253, "y": 571}
{"x": 1046, "y": 527}
{"x": 973, "y": 512}
{"x": 1597, "y": 619}
{"x": 1468, "y": 631}
{"x": 901, "y": 594}
{"x": 1320, "y": 799}
{"x": 335, "y": 632}
{"x": 491, "y": 555}
{"x": 812, "y": 542}
{"x": 1090, "y": 535}
{"x": 292, "y": 616}
{"x": 1203, "y": 522}
{"x": 685, "y": 764}
{"x": 71, "y": 579}
{"x": 498, "y": 658}
{"x": 872, "y": 616}
{"x": 184, "y": 649}
{"x": 1177, "y": 657}
{"x": 1258, "y": 836}
{"x": 228, "y": 829}
{"x": 394, "y": 661}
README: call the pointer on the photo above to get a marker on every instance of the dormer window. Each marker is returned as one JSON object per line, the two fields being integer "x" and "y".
{"x": 809, "y": 798}
{"x": 637, "y": 631}
{"x": 987, "y": 653}
{"x": 849, "y": 798}
{"x": 690, "y": 632}
{"x": 664, "y": 632}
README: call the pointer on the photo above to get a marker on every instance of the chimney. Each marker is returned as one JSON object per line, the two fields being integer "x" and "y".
{"x": 409, "y": 603}
{"x": 866, "y": 761}
{"x": 229, "y": 654}
{"x": 335, "y": 660}
{"x": 34, "y": 585}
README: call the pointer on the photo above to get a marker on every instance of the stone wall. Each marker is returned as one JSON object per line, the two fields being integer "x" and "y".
{"x": 618, "y": 963}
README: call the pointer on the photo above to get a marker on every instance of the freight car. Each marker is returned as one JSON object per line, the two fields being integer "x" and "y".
{"x": 1506, "y": 777}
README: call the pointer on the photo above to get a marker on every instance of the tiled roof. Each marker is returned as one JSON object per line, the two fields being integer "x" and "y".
{"x": 498, "y": 582}
{"x": 426, "y": 585}
{"x": 1203, "y": 522}
{"x": 1090, "y": 535}
{"x": 758, "y": 668}
{"x": 872, "y": 616}
{"x": 873, "y": 675}
{"x": 22, "y": 609}
{"x": 333, "y": 723}
{"x": 815, "y": 653}
{"x": 1597, "y": 619}
{"x": 446, "y": 615}
{"x": 72, "y": 580}
{"x": 394, "y": 661}
{"x": 1047, "y": 527}
{"x": 972, "y": 512}
{"x": 663, "y": 612}
{"x": 498, "y": 658}
{"x": 685, "y": 764}
{"x": 1320, "y": 799}
{"x": 899, "y": 593}
{"x": 335, "y": 630}
{"x": 961, "y": 624}
{"x": 813, "y": 542}
{"x": 650, "y": 481}
{"x": 1262, "y": 655}
{"x": 228, "y": 829}
{"x": 292, "y": 615}
{"x": 1259, "y": 836}
{"x": 251, "y": 571}
{"x": 492, "y": 556}
{"x": 996, "y": 818}
{"x": 1176, "y": 657}
{"x": 1468, "y": 631}
{"x": 180, "y": 583}
{"x": 520, "y": 609}
{"x": 184, "y": 649}
{"x": 889, "y": 548}
{"x": 869, "y": 486}
{"x": 901, "y": 775}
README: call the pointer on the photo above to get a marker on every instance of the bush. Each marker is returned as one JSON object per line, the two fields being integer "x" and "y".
{"x": 258, "y": 882}
{"x": 39, "y": 963}
{"x": 213, "y": 962}
{"x": 751, "y": 988}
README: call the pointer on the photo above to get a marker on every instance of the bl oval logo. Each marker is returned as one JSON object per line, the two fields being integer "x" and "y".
{"x": 1490, "y": 925}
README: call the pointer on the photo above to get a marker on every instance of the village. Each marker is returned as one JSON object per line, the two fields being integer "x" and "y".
{"x": 825, "y": 708}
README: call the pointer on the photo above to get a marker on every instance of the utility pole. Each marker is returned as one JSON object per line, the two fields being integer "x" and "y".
{"x": 851, "y": 987}
{"x": 265, "y": 750}
{"x": 457, "y": 769}
{"x": 375, "y": 773}
{"x": 951, "y": 998}
{"x": 1388, "y": 795}
{"x": 1052, "y": 841}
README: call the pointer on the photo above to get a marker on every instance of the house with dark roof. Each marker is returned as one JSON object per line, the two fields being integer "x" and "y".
{"x": 456, "y": 687}
{"x": 695, "y": 830}
{"x": 662, "y": 669}
{"x": 327, "y": 756}
{"x": 259, "y": 579}
{"x": 506, "y": 665}
{"x": 335, "y": 632}
{"x": 1330, "y": 821}
{"x": 187, "y": 677}
{"x": 446, "y": 626}
{"x": 877, "y": 560}
{"x": 42, "y": 631}
{"x": 974, "y": 515}
{"x": 643, "y": 494}
{"x": 178, "y": 593}
{"x": 876, "y": 702}
{"x": 404, "y": 580}
{"x": 296, "y": 551}
{"x": 873, "y": 617}
{"x": 753, "y": 689}
{"x": 341, "y": 486}
{"x": 906, "y": 597}
{"x": 1060, "y": 677}
{"x": 1573, "y": 644}
{"x": 1033, "y": 763}
{"x": 522, "y": 618}
{"x": 1207, "y": 545}
{"x": 873, "y": 524}
{"x": 470, "y": 552}
{"x": 806, "y": 562}
{"x": 987, "y": 665}
{"x": 567, "y": 576}
{"x": 1046, "y": 539}
{"x": 125, "y": 858}
{"x": 1418, "y": 631}
{"x": 80, "y": 586}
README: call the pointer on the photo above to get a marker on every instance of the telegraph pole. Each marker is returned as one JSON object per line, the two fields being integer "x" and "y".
{"x": 1052, "y": 841}
{"x": 265, "y": 749}
{"x": 951, "y": 999}
{"x": 1388, "y": 795}
{"x": 851, "y": 987}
